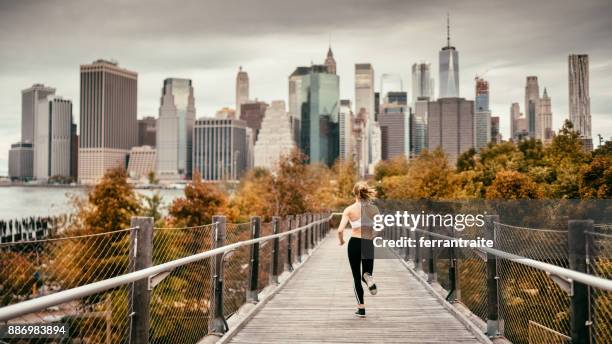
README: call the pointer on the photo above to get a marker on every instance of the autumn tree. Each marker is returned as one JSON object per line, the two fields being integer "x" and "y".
{"x": 397, "y": 166}
{"x": 566, "y": 157}
{"x": 511, "y": 185}
{"x": 201, "y": 202}
{"x": 428, "y": 176}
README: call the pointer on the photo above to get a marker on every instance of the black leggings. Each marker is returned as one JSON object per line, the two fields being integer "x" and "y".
{"x": 360, "y": 254}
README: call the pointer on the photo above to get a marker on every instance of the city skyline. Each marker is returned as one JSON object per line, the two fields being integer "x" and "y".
{"x": 212, "y": 59}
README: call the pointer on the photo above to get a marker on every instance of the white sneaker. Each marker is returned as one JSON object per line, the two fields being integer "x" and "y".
{"x": 369, "y": 281}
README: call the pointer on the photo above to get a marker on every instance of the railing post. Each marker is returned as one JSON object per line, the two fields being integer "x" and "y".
{"x": 432, "y": 275}
{"x": 290, "y": 223}
{"x": 453, "y": 273}
{"x": 141, "y": 257}
{"x": 317, "y": 228}
{"x": 254, "y": 263}
{"x": 579, "y": 307}
{"x": 217, "y": 325}
{"x": 299, "y": 233}
{"x": 275, "y": 248}
{"x": 311, "y": 231}
{"x": 418, "y": 264}
{"x": 493, "y": 328}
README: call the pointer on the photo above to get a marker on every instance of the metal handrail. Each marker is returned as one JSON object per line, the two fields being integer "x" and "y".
{"x": 37, "y": 304}
{"x": 572, "y": 275}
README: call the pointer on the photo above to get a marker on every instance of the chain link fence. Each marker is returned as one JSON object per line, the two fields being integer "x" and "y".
{"x": 599, "y": 244}
{"x": 31, "y": 269}
{"x": 180, "y": 303}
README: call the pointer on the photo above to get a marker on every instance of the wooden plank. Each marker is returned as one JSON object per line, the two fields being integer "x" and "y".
{"x": 317, "y": 306}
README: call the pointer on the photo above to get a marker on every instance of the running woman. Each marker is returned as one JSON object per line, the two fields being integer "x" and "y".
{"x": 360, "y": 245}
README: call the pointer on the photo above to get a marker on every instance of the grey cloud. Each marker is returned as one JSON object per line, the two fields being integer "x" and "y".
{"x": 46, "y": 40}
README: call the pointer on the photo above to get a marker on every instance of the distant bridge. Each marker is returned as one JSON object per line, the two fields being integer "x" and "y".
{"x": 288, "y": 281}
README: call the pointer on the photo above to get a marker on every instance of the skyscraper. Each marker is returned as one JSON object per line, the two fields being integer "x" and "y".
{"x": 345, "y": 128}
{"x": 320, "y": 93}
{"x": 532, "y": 106}
{"x": 32, "y": 99}
{"x": 364, "y": 101}
{"x": 330, "y": 62}
{"x": 52, "y": 138}
{"x": 21, "y": 158}
{"x": 482, "y": 115}
{"x": 450, "y": 126}
{"x": 495, "y": 134}
{"x": 108, "y": 123}
{"x": 60, "y": 136}
{"x": 579, "y": 99}
{"x": 147, "y": 131}
{"x": 275, "y": 137}
{"x": 175, "y": 129}
{"x": 220, "y": 148}
{"x": 546, "y": 118}
{"x": 394, "y": 123}
{"x": 418, "y": 133}
{"x": 518, "y": 123}
{"x": 253, "y": 113}
{"x": 242, "y": 89}
{"x": 422, "y": 81}
{"x": 449, "y": 68}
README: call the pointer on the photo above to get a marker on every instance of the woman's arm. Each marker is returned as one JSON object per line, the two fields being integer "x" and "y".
{"x": 342, "y": 225}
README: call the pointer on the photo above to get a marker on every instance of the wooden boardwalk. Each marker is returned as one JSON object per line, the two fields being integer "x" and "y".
{"x": 317, "y": 306}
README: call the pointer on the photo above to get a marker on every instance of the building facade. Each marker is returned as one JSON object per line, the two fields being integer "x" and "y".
{"x": 423, "y": 84}
{"x": 53, "y": 125}
{"x": 532, "y": 106}
{"x": 275, "y": 138}
{"x": 418, "y": 133}
{"x": 21, "y": 161}
{"x": 394, "y": 123}
{"x": 242, "y": 89}
{"x": 32, "y": 99}
{"x": 518, "y": 123}
{"x": 546, "y": 115}
{"x": 448, "y": 68}
{"x": 482, "y": 115}
{"x": 330, "y": 62}
{"x": 365, "y": 101}
{"x": 141, "y": 162}
{"x": 495, "y": 133}
{"x": 450, "y": 126}
{"x": 253, "y": 113}
{"x": 220, "y": 149}
{"x": 175, "y": 130}
{"x": 147, "y": 133}
{"x": 319, "y": 136}
{"x": 345, "y": 130}
{"x": 108, "y": 120}
{"x": 579, "y": 97}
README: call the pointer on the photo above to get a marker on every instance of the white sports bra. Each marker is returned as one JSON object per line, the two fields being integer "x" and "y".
{"x": 358, "y": 223}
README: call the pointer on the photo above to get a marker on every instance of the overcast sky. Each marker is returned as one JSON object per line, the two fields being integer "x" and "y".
{"x": 45, "y": 41}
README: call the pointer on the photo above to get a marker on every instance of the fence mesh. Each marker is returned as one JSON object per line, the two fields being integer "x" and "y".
{"x": 599, "y": 243}
{"x": 528, "y": 294}
{"x": 236, "y": 268}
{"x": 180, "y": 300}
{"x": 180, "y": 303}
{"x": 36, "y": 268}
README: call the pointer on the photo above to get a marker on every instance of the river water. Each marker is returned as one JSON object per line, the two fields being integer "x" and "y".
{"x": 19, "y": 201}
